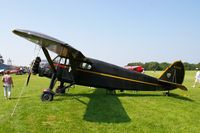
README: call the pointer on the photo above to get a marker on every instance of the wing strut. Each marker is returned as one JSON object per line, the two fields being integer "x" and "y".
{"x": 46, "y": 53}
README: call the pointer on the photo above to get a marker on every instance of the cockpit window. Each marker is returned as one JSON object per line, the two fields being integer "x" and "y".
{"x": 61, "y": 60}
{"x": 67, "y": 62}
{"x": 56, "y": 59}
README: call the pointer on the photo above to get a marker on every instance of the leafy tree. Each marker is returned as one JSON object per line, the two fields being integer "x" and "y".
{"x": 198, "y": 66}
{"x": 1, "y": 59}
{"x": 151, "y": 66}
{"x": 189, "y": 66}
{"x": 135, "y": 64}
{"x": 163, "y": 65}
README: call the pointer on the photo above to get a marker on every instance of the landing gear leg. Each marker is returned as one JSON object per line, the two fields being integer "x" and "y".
{"x": 112, "y": 92}
{"x": 61, "y": 89}
{"x": 166, "y": 93}
{"x": 48, "y": 94}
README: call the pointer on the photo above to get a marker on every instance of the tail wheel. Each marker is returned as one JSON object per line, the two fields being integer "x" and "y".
{"x": 166, "y": 93}
{"x": 47, "y": 96}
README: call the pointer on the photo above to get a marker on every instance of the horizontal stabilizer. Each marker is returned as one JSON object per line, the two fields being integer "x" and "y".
{"x": 170, "y": 85}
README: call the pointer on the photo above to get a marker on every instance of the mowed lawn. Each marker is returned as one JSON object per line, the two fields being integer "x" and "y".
{"x": 86, "y": 110}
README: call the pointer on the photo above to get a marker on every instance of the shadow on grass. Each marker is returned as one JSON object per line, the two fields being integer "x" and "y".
{"x": 101, "y": 107}
{"x": 176, "y": 96}
{"x": 137, "y": 95}
{"x": 16, "y": 98}
{"x": 173, "y": 95}
{"x": 105, "y": 108}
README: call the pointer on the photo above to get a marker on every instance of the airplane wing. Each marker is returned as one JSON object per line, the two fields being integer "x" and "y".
{"x": 61, "y": 48}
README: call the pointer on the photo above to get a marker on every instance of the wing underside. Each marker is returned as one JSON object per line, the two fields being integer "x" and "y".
{"x": 50, "y": 43}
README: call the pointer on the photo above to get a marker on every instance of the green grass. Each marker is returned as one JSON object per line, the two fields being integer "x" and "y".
{"x": 86, "y": 109}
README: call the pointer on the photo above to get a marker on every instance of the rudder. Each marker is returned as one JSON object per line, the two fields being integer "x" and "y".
{"x": 174, "y": 73}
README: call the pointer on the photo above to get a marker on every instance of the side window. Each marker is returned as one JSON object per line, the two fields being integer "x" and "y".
{"x": 67, "y": 62}
{"x": 85, "y": 66}
{"x": 57, "y": 59}
{"x": 62, "y": 61}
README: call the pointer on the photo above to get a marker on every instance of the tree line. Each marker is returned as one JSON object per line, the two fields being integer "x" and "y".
{"x": 156, "y": 66}
{"x": 1, "y": 59}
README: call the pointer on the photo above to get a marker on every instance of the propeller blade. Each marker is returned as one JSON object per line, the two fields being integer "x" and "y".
{"x": 28, "y": 79}
{"x": 34, "y": 68}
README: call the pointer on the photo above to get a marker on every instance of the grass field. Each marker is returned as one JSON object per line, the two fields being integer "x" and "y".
{"x": 87, "y": 110}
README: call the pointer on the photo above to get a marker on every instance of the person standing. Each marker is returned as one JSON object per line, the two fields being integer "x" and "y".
{"x": 197, "y": 78}
{"x": 7, "y": 84}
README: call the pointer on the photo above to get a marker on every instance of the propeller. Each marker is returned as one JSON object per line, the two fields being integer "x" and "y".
{"x": 34, "y": 69}
{"x": 27, "y": 81}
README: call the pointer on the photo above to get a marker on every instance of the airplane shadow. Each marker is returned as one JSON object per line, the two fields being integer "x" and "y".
{"x": 102, "y": 107}
{"x": 173, "y": 95}
{"x": 105, "y": 108}
{"x": 176, "y": 96}
{"x": 137, "y": 95}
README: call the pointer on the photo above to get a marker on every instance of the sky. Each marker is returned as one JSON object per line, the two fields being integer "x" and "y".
{"x": 115, "y": 31}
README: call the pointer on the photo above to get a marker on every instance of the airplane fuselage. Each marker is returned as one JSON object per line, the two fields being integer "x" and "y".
{"x": 104, "y": 75}
{"x": 113, "y": 77}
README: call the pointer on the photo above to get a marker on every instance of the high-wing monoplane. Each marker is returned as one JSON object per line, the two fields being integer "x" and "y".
{"x": 71, "y": 66}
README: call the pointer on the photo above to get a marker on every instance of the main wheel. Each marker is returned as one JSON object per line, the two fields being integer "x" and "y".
{"x": 47, "y": 96}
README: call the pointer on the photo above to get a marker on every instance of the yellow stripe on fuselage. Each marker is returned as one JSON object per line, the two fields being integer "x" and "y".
{"x": 118, "y": 77}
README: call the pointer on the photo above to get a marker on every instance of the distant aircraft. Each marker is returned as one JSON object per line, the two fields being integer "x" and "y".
{"x": 11, "y": 69}
{"x": 73, "y": 67}
{"x": 139, "y": 69}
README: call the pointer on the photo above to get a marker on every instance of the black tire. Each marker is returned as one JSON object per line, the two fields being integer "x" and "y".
{"x": 47, "y": 97}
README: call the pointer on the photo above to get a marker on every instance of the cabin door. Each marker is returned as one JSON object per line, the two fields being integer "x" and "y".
{"x": 64, "y": 71}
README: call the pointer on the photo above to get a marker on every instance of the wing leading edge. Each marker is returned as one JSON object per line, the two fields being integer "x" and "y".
{"x": 50, "y": 43}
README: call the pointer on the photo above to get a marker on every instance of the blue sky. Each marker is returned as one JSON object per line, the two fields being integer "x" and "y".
{"x": 115, "y": 31}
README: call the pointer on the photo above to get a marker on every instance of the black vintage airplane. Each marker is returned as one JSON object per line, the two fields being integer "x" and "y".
{"x": 71, "y": 66}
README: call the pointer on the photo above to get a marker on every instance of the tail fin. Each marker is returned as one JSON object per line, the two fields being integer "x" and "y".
{"x": 174, "y": 75}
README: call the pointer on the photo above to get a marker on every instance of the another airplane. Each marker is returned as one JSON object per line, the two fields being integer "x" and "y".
{"x": 139, "y": 69}
{"x": 12, "y": 69}
{"x": 71, "y": 66}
